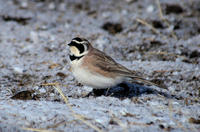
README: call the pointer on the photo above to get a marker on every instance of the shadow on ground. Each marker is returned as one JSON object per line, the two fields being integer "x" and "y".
{"x": 128, "y": 90}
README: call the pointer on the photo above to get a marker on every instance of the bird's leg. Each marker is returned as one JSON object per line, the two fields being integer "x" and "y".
{"x": 107, "y": 91}
{"x": 95, "y": 92}
{"x": 98, "y": 92}
{"x": 126, "y": 88}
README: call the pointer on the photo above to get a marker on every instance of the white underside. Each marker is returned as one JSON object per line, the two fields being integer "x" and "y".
{"x": 94, "y": 80}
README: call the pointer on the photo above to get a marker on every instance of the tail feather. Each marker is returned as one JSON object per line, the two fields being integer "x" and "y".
{"x": 147, "y": 82}
{"x": 136, "y": 76}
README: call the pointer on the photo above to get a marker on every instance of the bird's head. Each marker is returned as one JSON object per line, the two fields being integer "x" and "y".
{"x": 79, "y": 47}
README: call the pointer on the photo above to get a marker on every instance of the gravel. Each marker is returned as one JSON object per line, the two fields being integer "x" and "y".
{"x": 34, "y": 56}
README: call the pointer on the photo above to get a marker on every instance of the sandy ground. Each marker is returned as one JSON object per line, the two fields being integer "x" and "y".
{"x": 33, "y": 53}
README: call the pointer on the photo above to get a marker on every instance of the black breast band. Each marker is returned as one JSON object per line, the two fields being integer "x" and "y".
{"x": 73, "y": 57}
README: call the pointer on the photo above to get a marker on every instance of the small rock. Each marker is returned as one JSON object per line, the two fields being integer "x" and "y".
{"x": 52, "y": 95}
{"x": 106, "y": 14}
{"x": 52, "y": 6}
{"x": 175, "y": 103}
{"x": 24, "y": 4}
{"x": 36, "y": 88}
{"x": 42, "y": 90}
{"x": 67, "y": 25}
{"x": 123, "y": 111}
{"x": 175, "y": 73}
{"x": 150, "y": 8}
{"x": 18, "y": 70}
{"x": 34, "y": 36}
{"x": 124, "y": 12}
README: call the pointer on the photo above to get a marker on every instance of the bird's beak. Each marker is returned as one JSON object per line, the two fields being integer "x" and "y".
{"x": 70, "y": 44}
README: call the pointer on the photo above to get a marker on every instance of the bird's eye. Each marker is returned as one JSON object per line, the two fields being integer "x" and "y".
{"x": 80, "y": 48}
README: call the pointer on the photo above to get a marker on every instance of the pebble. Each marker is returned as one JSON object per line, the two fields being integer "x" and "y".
{"x": 42, "y": 90}
{"x": 18, "y": 70}
{"x": 175, "y": 73}
{"x": 150, "y": 8}
{"x": 24, "y": 4}
{"x": 52, "y": 6}
{"x": 34, "y": 36}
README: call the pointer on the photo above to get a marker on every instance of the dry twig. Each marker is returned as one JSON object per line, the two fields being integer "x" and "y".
{"x": 50, "y": 84}
{"x": 37, "y": 130}
{"x": 164, "y": 19}
{"x": 151, "y": 27}
{"x": 119, "y": 122}
{"x": 77, "y": 116}
{"x": 148, "y": 25}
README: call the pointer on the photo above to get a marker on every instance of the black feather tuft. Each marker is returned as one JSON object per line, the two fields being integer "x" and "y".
{"x": 77, "y": 39}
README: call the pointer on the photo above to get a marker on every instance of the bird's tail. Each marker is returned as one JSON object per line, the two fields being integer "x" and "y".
{"x": 147, "y": 82}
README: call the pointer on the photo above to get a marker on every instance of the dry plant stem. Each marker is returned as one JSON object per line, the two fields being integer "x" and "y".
{"x": 139, "y": 124}
{"x": 79, "y": 117}
{"x": 171, "y": 110}
{"x": 37, "y": 130}
{"x": 164, "y": 19}
{"x": 107, "y": 91}
{"x": 160, "y": 10}
{"x": 120, "y": 123}
{"x": 50, "y": 84}
{"x": 58, "y": 124}
{"x": 150, "y": 26}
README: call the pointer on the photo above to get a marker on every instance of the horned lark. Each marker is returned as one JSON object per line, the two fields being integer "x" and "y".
{"x": 94, "y": 68}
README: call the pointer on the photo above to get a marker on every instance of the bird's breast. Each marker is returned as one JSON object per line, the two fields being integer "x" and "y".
{"x": 95, "y": 80}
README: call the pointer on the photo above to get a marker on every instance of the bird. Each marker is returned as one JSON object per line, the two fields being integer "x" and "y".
{"x": 94, "y": 68}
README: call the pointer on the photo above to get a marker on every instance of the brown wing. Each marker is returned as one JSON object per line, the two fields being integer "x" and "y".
{"x": 107, "y": 64}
